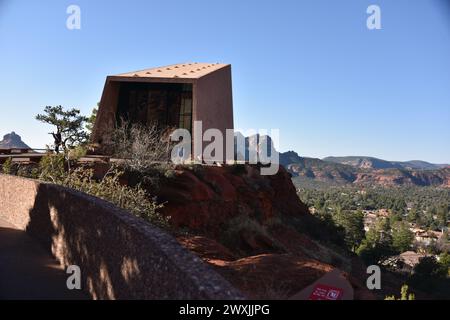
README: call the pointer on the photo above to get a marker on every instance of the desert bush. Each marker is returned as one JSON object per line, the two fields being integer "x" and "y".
{"x": 143, "y": 150}
{"x": 18, "y": 169}
{"x": 404, "y": 295}
{"x": 150, "y": 179}
{"x": 243, "y": 222}
{"x": 27, "y": 171}
{"x": 7, "y": 166}
{"x": 52, "y": 168}
{"x": 196, "y": 168}
{"x": 140, "y": 147}
{"x": 77, "y": 152}
{"x": 170, "y": 174}
{"x": 238, "y": 229}
{"x": 133, "y": 199}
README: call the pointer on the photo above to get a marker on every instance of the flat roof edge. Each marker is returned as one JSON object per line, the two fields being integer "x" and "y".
{"x": 149, "y": 79}
{"x": 152, "y": 75}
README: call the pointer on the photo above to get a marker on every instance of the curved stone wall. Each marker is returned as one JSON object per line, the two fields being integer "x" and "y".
{"x": 120, "y": 256}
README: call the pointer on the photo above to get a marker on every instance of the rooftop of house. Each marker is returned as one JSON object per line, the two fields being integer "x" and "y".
{"x": 411, "y": 258}
{"x": 188, "y": 70}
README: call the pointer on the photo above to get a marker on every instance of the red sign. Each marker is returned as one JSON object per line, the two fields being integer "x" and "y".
{"x": 324, "y": 292}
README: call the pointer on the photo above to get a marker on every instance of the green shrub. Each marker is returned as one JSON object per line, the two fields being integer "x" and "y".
{"x": 27, "y": 171}
{"x": 197, "y": 169}
{"x": 52, "y": 168}
{"x": 444, "y": 261}
{"x": 404, "y": 295}
{"x": 429, "y": 267}
{"x": 7, "y": 166}
{"x": 402, "y": 237}
{"x": 133, "y": 199}
{"x": 236, "y": 228}
{"x": 170, "y": 174}
{"x": 77, "y": 152}
{"x": 18, "y": 169}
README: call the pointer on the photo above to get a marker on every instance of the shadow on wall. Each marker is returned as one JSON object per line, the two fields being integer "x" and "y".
{"x": 120, "y": 256}
{"x": 78, "y": 234}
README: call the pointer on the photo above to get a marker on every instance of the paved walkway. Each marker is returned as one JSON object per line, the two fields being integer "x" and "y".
{"x": 27, "y": 271}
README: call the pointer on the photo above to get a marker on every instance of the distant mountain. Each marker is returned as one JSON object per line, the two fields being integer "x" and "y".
{"x": 395, "y": 177}
{"x": 337, "y": 171}
{"x": 363, "y": 171}
{"x": 334, "y": 173}
{"x": 13, "y": 140}
{"x": 422, "y": 165}
{"x": 375, "y": 163}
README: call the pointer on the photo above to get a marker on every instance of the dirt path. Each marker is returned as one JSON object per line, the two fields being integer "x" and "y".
{"x": 27, "y": 271}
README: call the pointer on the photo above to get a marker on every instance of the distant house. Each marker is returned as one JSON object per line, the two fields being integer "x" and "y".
{"x": 372, "y": 216}
{"x": 411, "y": 258}
{"x": 426, "y": 237}
{"x": 369, "y": 221}
{"x": 172, "y": 96}
{"x": 404, "y": 262}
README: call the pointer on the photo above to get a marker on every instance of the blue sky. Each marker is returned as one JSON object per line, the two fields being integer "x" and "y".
{"x": 310, "y": 68}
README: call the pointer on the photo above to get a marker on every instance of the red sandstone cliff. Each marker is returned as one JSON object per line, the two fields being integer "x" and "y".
{"x": 205, "y": 198}
{"x": 246, "y": 227}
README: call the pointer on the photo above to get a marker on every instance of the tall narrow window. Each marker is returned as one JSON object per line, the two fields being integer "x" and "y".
{"x": 186, "y": 108}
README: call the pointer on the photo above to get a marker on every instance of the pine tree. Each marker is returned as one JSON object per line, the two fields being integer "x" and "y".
{"x": 402, "y": 237}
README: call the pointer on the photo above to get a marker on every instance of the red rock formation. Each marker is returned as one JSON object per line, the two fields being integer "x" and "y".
{"x": 206, "y": 198}
{"x": 273, "y": 264}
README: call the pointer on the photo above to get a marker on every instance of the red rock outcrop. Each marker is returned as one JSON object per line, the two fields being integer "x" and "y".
{"x": 273, "y": 261}
{"x": 203, "y": 199}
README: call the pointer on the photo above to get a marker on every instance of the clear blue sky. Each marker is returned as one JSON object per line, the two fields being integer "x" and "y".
{"x": 310, "y": 68}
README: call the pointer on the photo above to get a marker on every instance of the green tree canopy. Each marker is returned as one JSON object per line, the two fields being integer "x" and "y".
{"x": 378, "y": 243}
{"x": 92, "y": 118}
{"x": 402, "y": 237}
{"x": 353, "y": 224}
{"x": 69, "y": 125}
{"x": 429, "y": 267}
